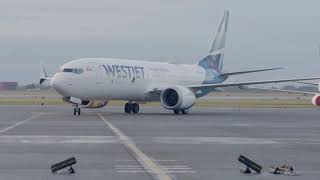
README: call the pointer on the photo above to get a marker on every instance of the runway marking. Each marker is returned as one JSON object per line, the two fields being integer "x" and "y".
{"x": 61, "y": 139}
{"x": 156, "y": 160}
{"x": 143, "y": 171}
{"x": 58, "y": 139}
{"x": 234, "y": 140}
{"x": 150, "y": 166}
{"x": 134, "y": 168}
{"x": 213, "y": 140}
{"x": 224, "y": 124}
{"x": 19, "y": 123}
{"x": 48, "y": 113}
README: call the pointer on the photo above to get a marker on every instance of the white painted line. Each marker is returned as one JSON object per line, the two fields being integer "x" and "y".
{"x": 173, "y": 166}
{"x": 150, "y": 166}
{"x": 141, "y": 168}
{"x": 213, "y": 140}
{"x": 142, "y": 171}
{"x": 138, "y": 171}
{"x": 234, "y": 140}
{"x": 121, "y": 166}
{"x": 130, "y": 168}
{"x": 138, "y": 167}
{"x": 182, "y": 172}
{"x": 168, "y": 168}
{"x": 48, "y": 113}
{"x": 161, "y": 160}
{"x": 57, "y": 139}
{"x": 19, "y": 123}
{"x": 156, "y": 160}
{"x": 178, "y": 168}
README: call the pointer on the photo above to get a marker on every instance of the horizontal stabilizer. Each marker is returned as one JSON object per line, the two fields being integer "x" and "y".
{"x": 246, "y": 72}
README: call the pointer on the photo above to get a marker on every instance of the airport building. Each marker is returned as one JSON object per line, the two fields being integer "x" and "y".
{"x": 8, "y": 85}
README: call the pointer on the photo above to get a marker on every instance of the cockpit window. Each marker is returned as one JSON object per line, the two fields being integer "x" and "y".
{"x": 76, "y": 71}
{"x": 67, "y": 70}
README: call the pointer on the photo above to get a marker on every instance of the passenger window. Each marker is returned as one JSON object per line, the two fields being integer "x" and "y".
{"x": 78, "y": 71}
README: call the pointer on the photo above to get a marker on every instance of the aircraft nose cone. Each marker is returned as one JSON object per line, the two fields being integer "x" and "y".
{"x": 55, "y": 83}
{"x": 59, "y": 85}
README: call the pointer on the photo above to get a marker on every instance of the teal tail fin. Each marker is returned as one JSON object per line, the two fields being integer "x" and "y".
{"x": 213, "y": 62}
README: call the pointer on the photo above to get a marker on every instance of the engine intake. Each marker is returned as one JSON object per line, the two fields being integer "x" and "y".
{"x": 177, "y": 97}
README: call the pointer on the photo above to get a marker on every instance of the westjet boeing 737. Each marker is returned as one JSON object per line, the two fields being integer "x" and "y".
{"x": 92, "y": 82}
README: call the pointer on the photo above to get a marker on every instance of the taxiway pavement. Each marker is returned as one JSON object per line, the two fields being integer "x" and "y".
{"x": 109, "y": 144}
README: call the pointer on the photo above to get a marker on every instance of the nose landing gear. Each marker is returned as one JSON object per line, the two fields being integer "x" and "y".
{"x": 76, "y": 110}
{"x": 131, "y": 107}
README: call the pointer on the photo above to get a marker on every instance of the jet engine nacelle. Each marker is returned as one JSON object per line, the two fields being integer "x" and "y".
{"x": 177, "y": 97}
{"x": 88, "y": 104}
{"x": 94, "y": 104}
{"x": 316, "y": 100}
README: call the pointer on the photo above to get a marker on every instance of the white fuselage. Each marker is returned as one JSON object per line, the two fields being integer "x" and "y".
{"x": 118, "y": 79}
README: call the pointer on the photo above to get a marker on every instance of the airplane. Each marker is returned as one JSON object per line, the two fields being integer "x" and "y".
{"x": 92, "y": 82}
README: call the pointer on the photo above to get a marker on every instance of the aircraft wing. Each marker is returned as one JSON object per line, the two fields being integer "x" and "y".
{"x": 287, "y": 91}
{"x": 246, "y": 72}
{"x": 240, "y": 84}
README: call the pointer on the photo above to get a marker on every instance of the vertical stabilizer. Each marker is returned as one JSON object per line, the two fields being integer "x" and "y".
{"x": 220, "y": 36}
{"x": 213, "y": 63}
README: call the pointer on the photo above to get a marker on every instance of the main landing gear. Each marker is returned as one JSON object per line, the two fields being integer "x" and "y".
{"x": 76, "y": 110}
{"x": 131, "y": 107}
{"x": 183, "y": 111}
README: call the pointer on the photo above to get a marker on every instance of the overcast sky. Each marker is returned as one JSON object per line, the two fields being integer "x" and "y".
{"x": 270, "y": 33}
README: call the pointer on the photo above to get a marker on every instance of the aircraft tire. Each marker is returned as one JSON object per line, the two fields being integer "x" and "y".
{"x": 135, "y": 108}
{"x": 128, "y": 108}
{"x": 176, "y": 111}
{"x": 79, "y": 111}
{"x": 74, "y": 111}
{"x": 185, "y": 111}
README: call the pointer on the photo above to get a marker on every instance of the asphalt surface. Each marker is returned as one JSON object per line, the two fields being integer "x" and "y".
{"x": 156, "y": 144}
